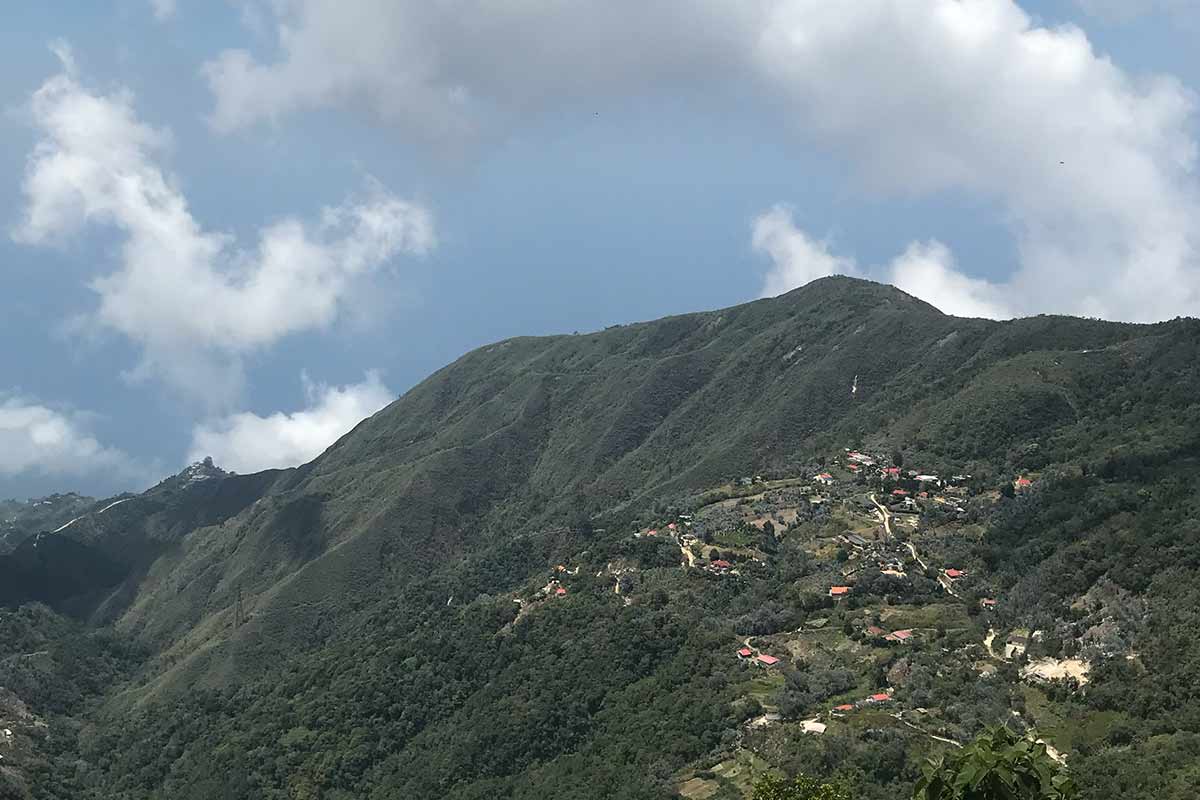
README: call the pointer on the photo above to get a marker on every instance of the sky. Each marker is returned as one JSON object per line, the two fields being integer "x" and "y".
{"x": 238, "y": 228}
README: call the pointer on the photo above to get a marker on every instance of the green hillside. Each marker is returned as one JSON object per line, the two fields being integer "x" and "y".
{"x": 384, "y": 621}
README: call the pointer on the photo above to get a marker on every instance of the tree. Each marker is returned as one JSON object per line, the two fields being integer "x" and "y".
{"x": 801, "y": 787}
{"x": 897, "y": 458}
{"x": 999, "y": 765}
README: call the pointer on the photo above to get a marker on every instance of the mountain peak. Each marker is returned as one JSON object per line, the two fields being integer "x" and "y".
{"x": 855, "y": 292}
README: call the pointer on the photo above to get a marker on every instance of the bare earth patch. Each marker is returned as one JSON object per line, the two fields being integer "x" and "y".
{"x": 698, "y": 789}
{"x": 1049, "y": 669}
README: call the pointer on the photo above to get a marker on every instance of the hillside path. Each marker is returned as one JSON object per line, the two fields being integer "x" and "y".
{"x": 903, "y": 721}
{"x": 887, "y": 520}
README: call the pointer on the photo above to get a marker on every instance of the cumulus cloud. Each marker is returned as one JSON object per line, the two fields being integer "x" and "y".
{"x": 247, "y": 442}
{"x": 795, "y": 256}
{"x": 925, "y": 269}
{"x": 194, "y": 302}
{"x": 1093, "y": 167}
{"x": 38, "y": 440}
{"x": 441, "y": 70}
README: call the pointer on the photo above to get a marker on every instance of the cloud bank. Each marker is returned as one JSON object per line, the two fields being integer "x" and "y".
{"x": 38, "y": 440}
{"x": 246, "y": 442}
{"x": 193, "y": 301}
{"x": 1092, "y": 166}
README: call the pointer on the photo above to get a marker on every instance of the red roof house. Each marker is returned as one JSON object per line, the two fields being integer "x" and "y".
{"x": 839, "y": 591}
{"x": 721, "y": 563}
{"x": 899, "y": 636}
{"x": 987, "y": 602}
{"x": 875, "y": 630}
{"x": 844, "y": 707}
{"x": 766, "y": 660}
{"x": 899, "y": 493}
{"x": 893, "y": 471}
{"x": 1023, "y": 483}
{"x": 560, "y": 591}
{"x": 954, "y": 573}
{"x": 652, "y": 533}
{"x": 745, "y": 652}
{"x": 880, "y": 698}
{"x": 671, "y": 526}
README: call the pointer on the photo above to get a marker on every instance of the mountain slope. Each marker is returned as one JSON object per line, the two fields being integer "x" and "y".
{"x": 376, "y": 584}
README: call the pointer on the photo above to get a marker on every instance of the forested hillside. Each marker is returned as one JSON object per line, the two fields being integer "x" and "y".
{"x": 531, "y": 576}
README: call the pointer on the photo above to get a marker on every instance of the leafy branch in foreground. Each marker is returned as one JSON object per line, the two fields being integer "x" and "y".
{"x": 999, "y": 765}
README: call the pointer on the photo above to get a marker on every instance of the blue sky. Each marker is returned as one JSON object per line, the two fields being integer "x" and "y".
{"x": 557, "y": 169}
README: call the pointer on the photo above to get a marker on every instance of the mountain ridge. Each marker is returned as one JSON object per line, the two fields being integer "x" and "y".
{"x": 429, "y": 517}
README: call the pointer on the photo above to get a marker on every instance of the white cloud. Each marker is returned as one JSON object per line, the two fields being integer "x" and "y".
{"x": 795, "y": 256}
{"x": 38, "y": 440}
{"x": 193, "y": 301}
{"x": 925, "y": 270}
{"x": 441, "y": 70}
{"x": 247, "y": 442}
{"x": 1092, "y": 167}
{"x": 163, "y": 9}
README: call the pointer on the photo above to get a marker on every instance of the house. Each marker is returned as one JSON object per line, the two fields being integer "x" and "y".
{"x": 893, "y": 472}
{"x": 988, "y": 603}
{"x": 875, "y": 630}
{"x": 766, "y": 660}
{"x": 671, "y": 526}
{"x": 852, "y": 467}
{"x": 744, "y": 653}
{"x": 928, "y": 478}
{"x": 843, "y": 708}
{"x": 954, "y": 574}
{"x": 1022, "y": 483}
{"x": 879, "y": 698}
{"x": 855, "y": 540}
{"x": 560, "y": 591}
{"x": 720, "y": 564}
{"x": 903, "y": 637}
{"x": 1015, "y": 646}
{"x": 839, "y": 591}
{"x": 824, "y": 478}
{"x": 899, "y": 493}
{"x": 652, "y": 533}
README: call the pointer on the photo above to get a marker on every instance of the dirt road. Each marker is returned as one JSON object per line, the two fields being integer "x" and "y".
{"x": 887, "y": 520}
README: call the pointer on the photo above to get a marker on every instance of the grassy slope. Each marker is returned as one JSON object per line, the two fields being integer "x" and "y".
{"x": 533, "y": 433}
{"x": 467, "y": 484}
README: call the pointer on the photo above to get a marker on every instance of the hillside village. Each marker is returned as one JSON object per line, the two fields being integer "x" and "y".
{"x": 885, "y": 602}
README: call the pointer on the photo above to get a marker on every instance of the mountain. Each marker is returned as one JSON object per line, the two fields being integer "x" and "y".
{"x": 385, "y": 620}
{"x": 21, "y": 519}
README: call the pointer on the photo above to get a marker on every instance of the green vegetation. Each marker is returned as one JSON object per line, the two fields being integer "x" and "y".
{"x": 999, "y": 765}
{"x": 799, "y": 788}
{"x": 384, "y": 622}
